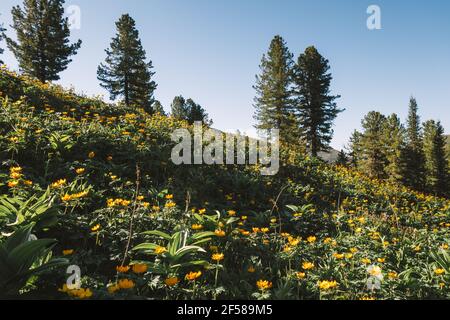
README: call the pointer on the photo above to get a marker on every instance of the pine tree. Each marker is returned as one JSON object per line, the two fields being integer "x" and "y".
{"x": 394, "y": 143}
{"x": 355, "y": 148}
{"x": 157, "y": 107}
{"x": 2, "y": 30}
{"x": 125, "y": 72}
{"x": 179, "y": 109}
{"x": 414, "y": 170}
{"x": 436, "y": 164}
{"x": 189, "y": 111}
{"x": 315, "y": 106}
{"x": 197, "y": 113}
{"x": 42, "y": 48}
{"x": 273, "y": 103}
{"x": 372, "y": 160}
{"x": 342, "y": 158}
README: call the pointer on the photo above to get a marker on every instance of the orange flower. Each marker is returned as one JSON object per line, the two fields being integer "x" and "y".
{"x": 170, "y": 282}
{"x": 91, "y": 155}
{"x": 67, "y": 252}
{"x": 217, "y": 257}
{"x": 125, "y": 284}
{"x": 122, "y": 269}
{"x": 263, "y": 285}
{"x": 140, "y": 268}
{"x": 192, "y": 276}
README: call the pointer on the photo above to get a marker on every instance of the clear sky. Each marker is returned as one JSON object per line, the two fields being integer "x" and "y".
{"x": 210, "y": 50}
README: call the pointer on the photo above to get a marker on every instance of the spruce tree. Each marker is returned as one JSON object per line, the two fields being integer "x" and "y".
{"x": 355, "y": 148}
{"x": 436, "y": 164}
{"x": 197, "y": 113}
{"x": 42, "y": 48}
{"x": 179, "y": 109}
{"x": 414, "y": 169}
{"x": 394, "y": 144}
{"x": 2, "y": 30}
{"x": 273, "y": 102}
{"x": 125, "y": 72}
{"x": 158, "y": 108}
{"x": 189, "y": 111}
{"x": 315, "y": 106}
{"x": 372, "y": 160}
{"x": 342, "y": 158}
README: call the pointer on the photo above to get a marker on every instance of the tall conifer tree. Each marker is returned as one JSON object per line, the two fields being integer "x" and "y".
{"x": 42, "y": 48}
{"x": 315, "y": 106}
{"x": 125, "y": 72}
{"x": 436, "y": 164}
{"x": 394, "y": 143}
{"x": 273, "y": 102}
{"x": 2, "y": 30}
{"x": 372, "y": 159}
{"x": 414, "y": 170}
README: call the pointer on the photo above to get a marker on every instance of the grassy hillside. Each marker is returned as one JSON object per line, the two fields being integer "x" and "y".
{"x": 95, "y": 177}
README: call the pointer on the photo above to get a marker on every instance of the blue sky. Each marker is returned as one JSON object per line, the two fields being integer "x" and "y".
{"x": 210, "y": 50}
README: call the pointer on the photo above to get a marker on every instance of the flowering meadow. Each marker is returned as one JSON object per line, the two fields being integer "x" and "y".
{"x": 90, "y": 187}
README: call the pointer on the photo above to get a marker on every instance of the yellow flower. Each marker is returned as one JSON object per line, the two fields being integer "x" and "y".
{"x": 192, "y": 276}
{"x": 327, "y": 285}
{"x": 15, "y": 169}
{"x": 28, "y": 182}
{"x": 307, "y": 265}
{"x": 66, "y": 197}
{"x": 256, "y": 230}
{"x": 338, "y": 256}
{"x": 201, "y": 211}
{"x": 381, "y": 260}
{"x": 80, "y": 170}
{"x": 160, "y": 250}
{"x": 220, "y": 233}
{"x": 113, "y": 288}
{"x": 439, "y": 272}
{"x": 125, "y": 284}
{"x": 392, "y": 275}
{"x": 122, "y": 269}
{"x": 59, "y": 183}
{"x": 311, "y": 239}
{"x": 348, "y": 255}
{"x": 67, "y": 252}
{"x": 169, "y": 196}
{"x": 170, "y": 282}
{"x": 367, "y": 299}
{"x": 13, "y": 184}
{"x": 231, "y": 213}
{"x": 170, "y": 204}
{"x": 251, "y": 269}
{"x": 140, "y": 268}
{"x": 374, "y": 271}
{"x": 263, "y": 285}
{"x": 109, "y": 158}
{"x": 217, "y": 257}
{"x": 91, "y": 155}
{"x": 264, "y": 230}
{"x": 300, "y": 275}
{"x": 197, "y": 227}
{"x": 140, "y": 198}
{"x": 15, "y": 175}
{"x": 95, "y": 228}
{"x": 365, "y": 261}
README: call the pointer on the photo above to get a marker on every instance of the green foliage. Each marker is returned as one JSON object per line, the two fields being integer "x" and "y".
{"x": 22, "y": 257}
{"x": 181, "y": 247}
{"x": 42, "y": 46}
{"x": 125, "y": 72}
